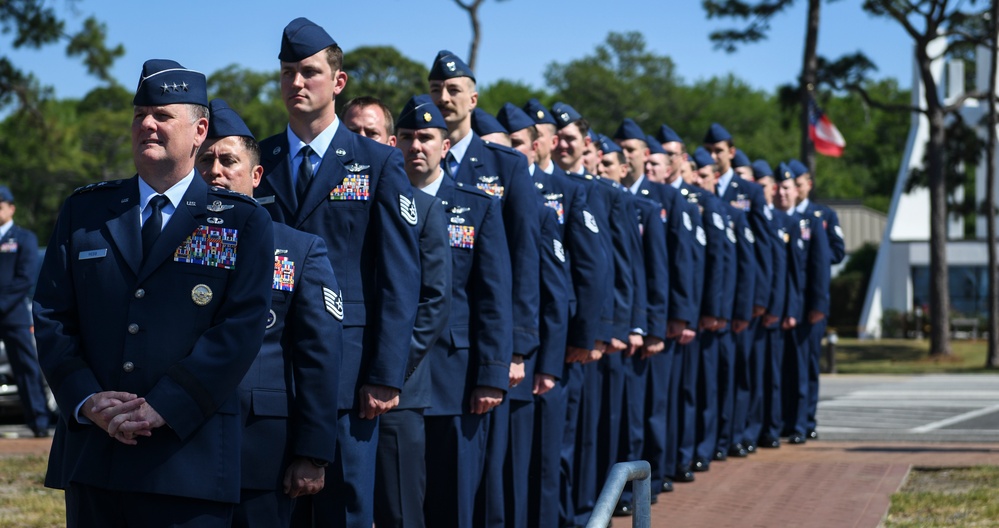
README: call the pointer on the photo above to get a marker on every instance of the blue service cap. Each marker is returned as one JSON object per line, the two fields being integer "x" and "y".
{"x": 594, "y": 137}
{"x": 484, "y": 123}
{"x": 447, "y": 65}
{"x": 514, "y": 119}
{"x": 607, "y": 145}
{"x": 629, "y": 129}
{"x": 703, "y": 158}
{"x": 6, "y": 195}
{"x": 303, "y": 38}
{"x": 564, "y": 115}
{"x": 654, "y": 146}
{"x": 784, "y": 172}
{"x": 717, "y": 133}
{"x": 420, "y": 112}
{"x": 668, "y": 135}
{"x": 797, "y": 167}
{"x": 740, "y": 159}
{"x": 225, "y": 122}
{"x": 761, "y": 169}
{"x": 537, "y": 111}
{"x": 165, "y": 82}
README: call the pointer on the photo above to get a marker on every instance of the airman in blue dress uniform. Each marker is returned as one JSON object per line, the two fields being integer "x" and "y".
{"x": 151, "y": 306}
{"x": 289, "y": 426}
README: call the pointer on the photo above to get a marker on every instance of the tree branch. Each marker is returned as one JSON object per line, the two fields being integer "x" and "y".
{"x": 956, "y": 105}
{"x": 881, "y": 105}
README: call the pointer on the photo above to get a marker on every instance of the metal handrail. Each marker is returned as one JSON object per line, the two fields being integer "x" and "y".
{"x": 620, "y": 474}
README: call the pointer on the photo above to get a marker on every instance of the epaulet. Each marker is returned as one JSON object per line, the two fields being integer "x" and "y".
{"x": 222, "y": 191}
{"x": 111, "y": 184}
{"x": 471, "y": 189}
{"x": 500, "y": 148}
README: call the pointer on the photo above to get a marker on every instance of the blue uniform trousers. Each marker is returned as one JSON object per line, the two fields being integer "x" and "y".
{"x": 262, "y": 509}
{"x": 757, "y": 367}
{"x": 456, "y": 457}
{"x": 657, "y": 400}
{"x": 707, "y": 397}
{"x": 674, "y": 411}
{"x": 632, "y": 439}
{"x": 795, "y": 389}
{"x": 773, "y": 383}
{"x": 20, "y": 348}
{"x": 687, "y": 418}
{"x": 586, "y": 486}
{"x": 490, "y": 509}
{"x": 574, "y": 381}
{"x": 726, "y": 389}
{"x": 815, "y": 353}
{"x": 401, "y": 469}
{"x": 743, "y": 383}
{"x": 545, "y": 483}
{"x": 611, "y": 415}
{"x": 90, "y": 507}
{"x": 516, "y": 470}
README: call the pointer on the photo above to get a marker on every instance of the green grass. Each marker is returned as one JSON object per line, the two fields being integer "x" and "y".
{"x": 24, "y": 501}
{"x": 946, "y": 497}
{"x": 907, "y": 356}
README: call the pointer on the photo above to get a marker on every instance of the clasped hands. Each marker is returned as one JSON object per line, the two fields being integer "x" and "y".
{"x": 125, "y": 416}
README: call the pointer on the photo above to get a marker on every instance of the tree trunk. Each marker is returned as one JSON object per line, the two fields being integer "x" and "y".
{"x": 472, "y": 8}
{"x": 939, "y": 287}
{"x": 992, "y": 360}
{"x": 808, "y": 67}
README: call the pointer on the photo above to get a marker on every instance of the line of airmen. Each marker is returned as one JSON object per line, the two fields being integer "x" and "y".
{"x": 500, "y": 308}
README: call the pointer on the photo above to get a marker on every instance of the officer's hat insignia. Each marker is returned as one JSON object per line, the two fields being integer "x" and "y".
{"x": 276, "y": 151}
{"x": 201, "y": 295}
{"x": 341, "y": 152}
{"x": 427, "y": 117}
{"x": 450, "y": 66}
{"x": 541, "y": 114}
{"x": 218, "y": 207}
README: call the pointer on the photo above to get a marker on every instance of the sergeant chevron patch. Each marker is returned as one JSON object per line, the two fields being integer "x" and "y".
{"x": 334, "y": 303}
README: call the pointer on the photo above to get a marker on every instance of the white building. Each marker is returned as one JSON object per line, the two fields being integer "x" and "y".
{"x": 900, "y": 279}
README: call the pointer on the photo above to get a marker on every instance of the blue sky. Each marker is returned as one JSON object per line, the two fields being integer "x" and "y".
{"x": 520, "y": 37}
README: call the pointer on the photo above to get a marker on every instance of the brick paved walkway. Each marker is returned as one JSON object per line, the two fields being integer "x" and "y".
{"x": 819, "y": 484}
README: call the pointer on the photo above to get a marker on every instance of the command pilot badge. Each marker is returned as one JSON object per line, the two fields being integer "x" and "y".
{"x": 333, "y": 302}
{"x": 201, "y": 295}
{"x": 407, "y": 209}
{"x": 218, "y": 207}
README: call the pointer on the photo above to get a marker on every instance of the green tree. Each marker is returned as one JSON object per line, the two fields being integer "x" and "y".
{"x": 385, "y": 73}
{"x": 492, "y": 97}
{"x": 255, "y": 95}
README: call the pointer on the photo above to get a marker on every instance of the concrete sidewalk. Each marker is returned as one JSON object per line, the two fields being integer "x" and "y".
{"x": 818, "y": 484}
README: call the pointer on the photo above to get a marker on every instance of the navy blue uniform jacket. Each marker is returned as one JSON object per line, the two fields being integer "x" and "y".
{"x": 502, "y": 172}
{"x": 361, "y": 204}
{"x": 18, "y": 269}
{"x": 286, "y": 394}
{"x": 713, "y": 302}
{"x": 748, "y": 197}
{"x": 680, "y": 247}
{"x": 476, "y": 348}
{"x": 585, "y": 253}
{"x": 106, "y": 319}
{"x": 653, "y": 218}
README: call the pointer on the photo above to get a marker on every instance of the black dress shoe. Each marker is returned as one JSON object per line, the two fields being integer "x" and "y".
{"x": 750, "y": 448}
{"x": 813, "y": 435}
{"x": 738, "y": 451}
{"x": 700, "y": 465}
{"x": 796, "y": 439}
{"x": 683, "y": 474}
{"x": 668, "y": 485}
{"x": 40, "y": 433}
{"x": 624, "y": 509}
{"x": 770, "y": 443}
{"x": 720, "y": 456}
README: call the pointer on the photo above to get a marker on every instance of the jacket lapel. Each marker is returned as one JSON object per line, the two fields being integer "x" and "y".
{"x": 471, "y": 163}
{"x": 279, "y": 177}
{"x": 190, "y": 211}
{"x": 124, "y": 224}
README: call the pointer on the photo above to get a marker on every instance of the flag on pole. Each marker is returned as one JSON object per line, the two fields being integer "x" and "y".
{"x": 826, "y": 138}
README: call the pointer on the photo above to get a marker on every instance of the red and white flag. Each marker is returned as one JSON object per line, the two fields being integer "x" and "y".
{"x": 827, "y": 139}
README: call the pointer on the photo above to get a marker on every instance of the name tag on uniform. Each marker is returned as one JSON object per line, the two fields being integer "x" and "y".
{"x": 264, "y": 200}
{"x": 93, "y": 254}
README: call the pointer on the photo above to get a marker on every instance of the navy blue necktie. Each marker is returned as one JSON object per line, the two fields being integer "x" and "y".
{"x": 304, "y": 173}
{"x": 154, "y": 224}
